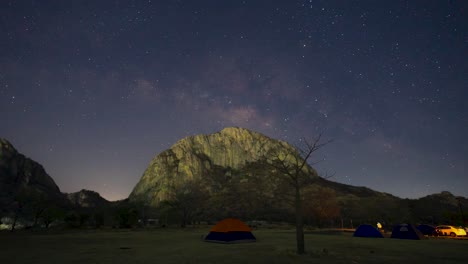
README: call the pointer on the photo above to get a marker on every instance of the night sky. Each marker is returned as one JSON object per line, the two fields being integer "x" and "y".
{"x": 93, "y": 90}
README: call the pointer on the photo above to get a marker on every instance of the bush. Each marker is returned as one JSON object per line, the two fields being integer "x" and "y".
{"x": 127, "y": 217}
{"x": 72, "y": 220}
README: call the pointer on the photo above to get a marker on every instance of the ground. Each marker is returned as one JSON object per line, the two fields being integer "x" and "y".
{"x": 186, "y": 246}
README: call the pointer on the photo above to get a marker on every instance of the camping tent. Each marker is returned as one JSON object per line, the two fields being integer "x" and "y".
{"x": 230, "y": 230}
{"x": 427, "y": 230}
{"x": 405, "y": 231}
{"x": 367, "y": 231}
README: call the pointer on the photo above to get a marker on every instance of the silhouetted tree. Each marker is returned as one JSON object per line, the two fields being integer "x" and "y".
{"x": 72, "y": 219}
{"x": 37, "y": 205}
{"x": 83, "y": 218}
{"x": 51, "y": 214}
{"x": 294, "y": 175}
{"x": 98, "y": 219}
{"x": 127, "y": 217}
{"x": 18, "y": 206}
{"x": 321, "y": 203}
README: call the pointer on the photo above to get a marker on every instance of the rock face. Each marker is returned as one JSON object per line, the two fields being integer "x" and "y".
{"x": 87, "y": 199}
{"x": 21, "y": 176}
{"x": 194, "y": 157}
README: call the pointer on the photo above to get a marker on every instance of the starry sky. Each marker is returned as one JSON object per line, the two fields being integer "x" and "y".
{"x": 93, "y": 90}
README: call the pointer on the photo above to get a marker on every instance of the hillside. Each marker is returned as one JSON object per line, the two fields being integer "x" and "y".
{"x": 22, "y": 179}
{"x": 197, "y": 157}
{"x": 30, "y": 197}
{"x": 87, "y": 199}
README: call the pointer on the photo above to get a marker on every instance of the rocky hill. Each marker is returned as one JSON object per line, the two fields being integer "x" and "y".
{"x": 24, "y": 182}
{"x": 22, "y": 178}
{"x": 196, "y": 157}
{"x": 87, "y": 199}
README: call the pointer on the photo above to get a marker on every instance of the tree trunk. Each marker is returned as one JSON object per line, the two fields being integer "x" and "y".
{"x": 184, "y": 217}
{"x": 13, "y": 225}
{"x": 37, "y": 215}
{"x": 299, "y": 224}
{"x": 36, "y": 219}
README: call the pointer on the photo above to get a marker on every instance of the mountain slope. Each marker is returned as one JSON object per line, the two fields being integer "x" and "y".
{"x": 21, "y": 177}
{"x": 22, "y": 180}
{"x": 87, "y": 199}
{"x": 193, "y": 158}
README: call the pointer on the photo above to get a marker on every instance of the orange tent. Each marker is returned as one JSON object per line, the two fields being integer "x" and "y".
{"x": 230, "y": 224}
{"x": 230, "y": 230}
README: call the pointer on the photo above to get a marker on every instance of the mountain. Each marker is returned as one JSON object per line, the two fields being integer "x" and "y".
{"x": 215, "y": 173}
{"x": 195, "y": 157}
{"x": 439, "y": 207}
{"x": 87, "y": 199}
{"x": 223, "y": 174}
{"x": 24, "y": 182}
{"x": 22, "y": 178}
{"x": 29, "y": 197}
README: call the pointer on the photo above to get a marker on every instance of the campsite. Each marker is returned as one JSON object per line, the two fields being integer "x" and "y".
{"x": 177, "y": 245}
{"x": 307, "y": 131}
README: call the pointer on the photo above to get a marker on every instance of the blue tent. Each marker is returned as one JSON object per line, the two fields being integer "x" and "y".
{"x": 230, "y": 237}
{"x": 230, "y": 230}
{"x": 427, "y": 230}
{"x": 367, "y": 231}
{"x": 405, "y": 231}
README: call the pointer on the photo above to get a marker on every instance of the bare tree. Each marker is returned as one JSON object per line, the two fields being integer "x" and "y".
{"x": 321, "y": 203}
{"x": 291, "y": 166}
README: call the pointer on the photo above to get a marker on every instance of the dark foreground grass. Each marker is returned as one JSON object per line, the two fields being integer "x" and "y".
{"x": 185, "y": 246}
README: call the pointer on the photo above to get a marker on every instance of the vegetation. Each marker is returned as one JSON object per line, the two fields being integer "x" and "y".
{"x": 324, "y": 207}
{"x": 185, "y": 246}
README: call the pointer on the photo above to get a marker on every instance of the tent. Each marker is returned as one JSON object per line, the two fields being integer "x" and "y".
{"x": 230, "y": 230}
{"x": 367, "y": 231}
{"x": 405, "y": 231}
{"x": 427, "y": 230}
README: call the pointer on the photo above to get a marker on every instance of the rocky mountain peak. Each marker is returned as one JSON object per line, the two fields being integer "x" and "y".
{"x": 197, "y": 156}
{"x": 6, "y": 148}
{"x": 86, "y": 199}
{"x": 240, "y": 133}
{"x": 21, "y": 176}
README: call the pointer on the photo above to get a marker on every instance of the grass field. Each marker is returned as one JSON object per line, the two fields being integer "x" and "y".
{"x": 185, "y": 246}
